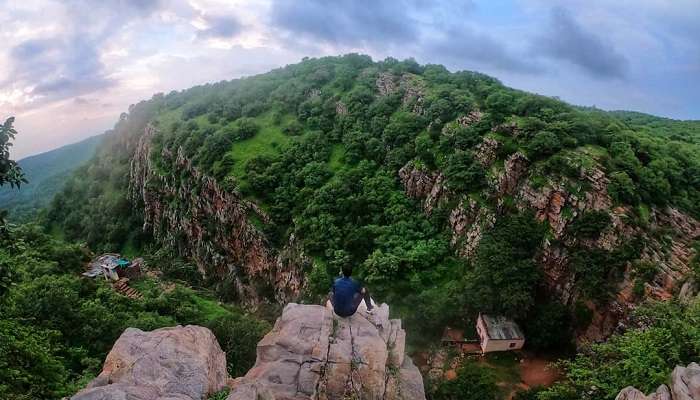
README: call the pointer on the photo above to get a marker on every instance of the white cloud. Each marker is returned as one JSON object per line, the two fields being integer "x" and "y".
{"x": 118, "y": 53}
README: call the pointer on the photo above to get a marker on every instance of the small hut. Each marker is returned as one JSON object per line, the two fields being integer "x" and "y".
{"x": 499, "y": 333}
{"x": 113, "y": 266}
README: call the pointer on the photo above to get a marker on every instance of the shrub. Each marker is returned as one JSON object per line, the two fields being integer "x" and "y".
{"x": 238, "y": 335}
{"x": 473, "y": 382}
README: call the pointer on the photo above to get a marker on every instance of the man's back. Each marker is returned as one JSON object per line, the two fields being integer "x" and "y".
{"x": 344, "y": 291}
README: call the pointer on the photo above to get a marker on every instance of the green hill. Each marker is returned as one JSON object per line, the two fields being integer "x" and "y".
{"x": 46, "y": 174}
{"x": 450, "y": 193}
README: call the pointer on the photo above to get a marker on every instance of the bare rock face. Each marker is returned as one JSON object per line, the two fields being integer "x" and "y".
{"x": 685, "y": 385}
{"x": 183, "y": 363}
{"x": 508, "y": 128}
{"x": 420, "y": 183}
{"x": 468, "y": 222}
{"x": 471, "y": 118}
{"x": 486, "y": 151}
{"x": 313, "y": 354}
{"x": 191, "y": 212}
{"x": 630, "y": 393}
{"x": 414, "y": 92}
{"x": 385, "y": 84}
{"x": 341, "y": 108}
{"x": 515, "y": 169}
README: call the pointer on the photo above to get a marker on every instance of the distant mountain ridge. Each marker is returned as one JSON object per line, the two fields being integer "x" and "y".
{"x": 46, "y": 173}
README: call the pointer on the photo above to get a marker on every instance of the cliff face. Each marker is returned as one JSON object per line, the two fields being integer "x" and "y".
{"x": 559, "y": 202}
{"x": 191, "y": 212}
{"x": 313, "y": 354}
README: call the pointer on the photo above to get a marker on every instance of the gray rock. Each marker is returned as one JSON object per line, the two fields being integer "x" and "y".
{"x": 313, "y": 354}
{"x": 685, "y": 382}
{"x": 179, "y": 363}
{"x": 685, "y": 385}
{"x": 630, "y": 393}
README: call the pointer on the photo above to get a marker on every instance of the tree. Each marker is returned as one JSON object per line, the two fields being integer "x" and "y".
{"x": 30, "y": 366}
{"x": 543, "y": 144}
{"x": 505, "y": 275}
{"x": 10, "y": 172}
{"x": 622, "y": 188}
{"x": 473, "y": 382}
{"x": 238, "y": 334}
{"x": 463, "y": 173}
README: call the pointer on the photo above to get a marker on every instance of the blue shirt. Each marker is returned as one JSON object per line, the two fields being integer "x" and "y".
{"x": 344, "y": 290}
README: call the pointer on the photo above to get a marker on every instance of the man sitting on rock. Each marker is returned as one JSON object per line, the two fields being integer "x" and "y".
{"x": 347, "y": 294}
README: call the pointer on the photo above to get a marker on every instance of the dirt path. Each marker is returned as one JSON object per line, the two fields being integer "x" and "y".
{"x": 538, "y": 372}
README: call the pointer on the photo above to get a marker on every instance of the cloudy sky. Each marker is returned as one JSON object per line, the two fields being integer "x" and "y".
{"x": 69, "y": 68}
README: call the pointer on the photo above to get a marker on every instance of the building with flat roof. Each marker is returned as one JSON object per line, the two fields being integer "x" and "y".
{"x": 497, "y": 333}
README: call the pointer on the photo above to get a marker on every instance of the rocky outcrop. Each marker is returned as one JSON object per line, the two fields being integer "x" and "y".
{"x": 508, "y": 128}
{"x": 471, "y": 118}
{"x": 556, "y": 204}
{"x": 413, "y": 92}
{"x": 340, "y": 108}
{"x": 386, "y": 84}
{"x": 419, "y": 183}
{"x": 192, "y": 213}
{"x": 515, "y": 169}
{"x": 685, "y": 385}
{"x": 179, "y": 363}
{"x": 468, "y": 221}
{"x": 485, "y": 152}
{"x": 313, "y": 354}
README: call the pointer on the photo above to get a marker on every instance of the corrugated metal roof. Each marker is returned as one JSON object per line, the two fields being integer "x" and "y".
{"x": 502, "y": 328}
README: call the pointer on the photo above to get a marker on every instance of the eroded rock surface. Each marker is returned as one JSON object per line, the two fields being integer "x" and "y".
{"x": 313, "y": 354}
{"x": 420, "y": 183}
{"x": 685, "y": 385}
{"x": 192, "y": 213}
{"x": 178, "y": 363}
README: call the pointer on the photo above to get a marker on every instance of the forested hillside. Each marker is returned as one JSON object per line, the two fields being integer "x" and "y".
{"x": 46, "y": 173}
{"x": 450, "y": 193}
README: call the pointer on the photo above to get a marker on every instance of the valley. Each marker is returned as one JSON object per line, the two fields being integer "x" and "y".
{"x": 451, "y": 194}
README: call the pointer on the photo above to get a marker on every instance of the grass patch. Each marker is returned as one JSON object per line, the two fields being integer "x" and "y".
{"x": 268, "y": 141}
{"x": 644, "y": 214}
{"x": 57, "y": 233}
{"x": 211, "y": 309}
{"x": 336, "y": 162}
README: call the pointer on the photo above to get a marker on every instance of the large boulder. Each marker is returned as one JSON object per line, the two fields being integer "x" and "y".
{"x": 178, "y": 363}
{"x": 685, "y": 385}
{"x": 313, "y": 354}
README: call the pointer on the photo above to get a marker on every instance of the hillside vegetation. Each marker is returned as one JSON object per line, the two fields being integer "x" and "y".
{"x": 56, "y": 327}
{"x": 318, "y": 146}
{"x": 46, "y": 174}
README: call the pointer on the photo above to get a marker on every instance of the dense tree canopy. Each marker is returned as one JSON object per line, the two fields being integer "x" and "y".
{"x": 318, "y": 146}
